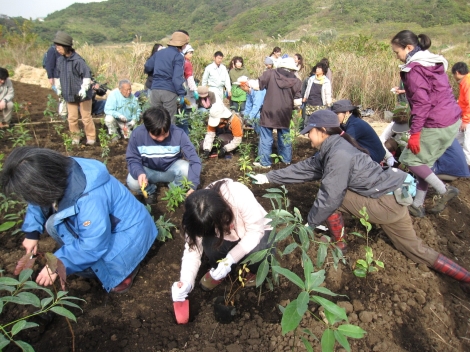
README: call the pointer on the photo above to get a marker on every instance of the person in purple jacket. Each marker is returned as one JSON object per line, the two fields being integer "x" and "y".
{"x": 435, "y": 116}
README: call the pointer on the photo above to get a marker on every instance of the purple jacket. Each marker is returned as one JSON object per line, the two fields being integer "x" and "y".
{"x": 429, "y": 93}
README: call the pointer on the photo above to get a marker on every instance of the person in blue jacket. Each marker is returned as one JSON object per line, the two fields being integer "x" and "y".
{"x": 102, "y": 230}
{"x": 254, "y": 103}
{"x": 350, "y": 120}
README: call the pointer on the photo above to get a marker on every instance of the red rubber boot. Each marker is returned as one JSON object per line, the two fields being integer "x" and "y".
{"x": 335, "y": 224}
{"x": 450, "y": 268}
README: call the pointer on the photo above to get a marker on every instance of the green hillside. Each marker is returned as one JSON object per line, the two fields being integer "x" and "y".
{"x": 244, "y": 20}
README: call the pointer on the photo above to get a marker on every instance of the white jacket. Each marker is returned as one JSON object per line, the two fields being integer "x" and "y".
{"x": 325, "y": 89}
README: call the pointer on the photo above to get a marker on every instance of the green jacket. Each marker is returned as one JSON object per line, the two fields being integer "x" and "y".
{"x": 238, "y": 94}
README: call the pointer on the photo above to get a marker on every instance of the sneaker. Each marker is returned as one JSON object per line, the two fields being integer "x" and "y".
{"x": 250, "y": 280}
{"x": 442, "y": 199}
{"x": 75, "y": 141}
{"x": 126, "y": 284}
{"x": 151, "y": 199}
{"x": 208, "y": 283}
{"x": 258, "y": 164}
{"x": 90, "y": 143}
{"x": 417, "y": 212}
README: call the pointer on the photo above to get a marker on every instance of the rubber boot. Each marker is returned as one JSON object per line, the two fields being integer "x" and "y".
{"x": 448, "y": 267}
{"x": 335, "y": 224}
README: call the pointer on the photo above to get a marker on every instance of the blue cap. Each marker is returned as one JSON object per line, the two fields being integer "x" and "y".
{"x": 320, "y": 118}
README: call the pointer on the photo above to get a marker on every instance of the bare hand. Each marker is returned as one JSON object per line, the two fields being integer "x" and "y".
{"x": 142, "y": 180}
{"x": 229, "y": 94}
{"x": 463, "y": 127}
{"x": 51, "y": 81}
{"x": 2, "y": 105}
{"x": 46, "y": 277}
{"x": 31, "y": 246}
{"x": 189, "y": 192}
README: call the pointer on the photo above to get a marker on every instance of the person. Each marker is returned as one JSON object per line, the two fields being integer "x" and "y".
{"x": 167, "y": 88}
{"x": 268, "y": 63}
{"x": 102, "y": 230}
{"x": 190, "y": 84}
{"x": 351, "y": 180}
{"x": 122, "y": 111}
{"x": 435, "y": 116}
{"x": 328, "y": 73}
{"x": 396, "y": 134}
{"x": 460, "y": 73}
{"x": 156, "y": 153}
{"x": 148, "y": 82}
{"x": 227, "y": 126}
{"x": 217, "y": 78}
{"x": 7, "y": 93}
{"x": 238, "y": 97}
{"x": 400, "y": 92}
{"x": 276, "y": 56}
{"x": 225, "y": 207}
{"x": 316, "y": 91}
{"x": 206, "y": 98}
{"x": 97, "y": 105}
{"x": 350, "y": 121}
{"x": 50, "y": 62}
{"x": 282, "y": 87}
{"x": 254, "y": 103}
{"x": 299, "y": 61}
{"x": 73, "y": 84}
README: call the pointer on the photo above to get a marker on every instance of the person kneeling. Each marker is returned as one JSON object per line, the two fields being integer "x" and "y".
{"x": 102, "y": 230}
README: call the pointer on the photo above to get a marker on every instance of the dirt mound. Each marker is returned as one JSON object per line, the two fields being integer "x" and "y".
{"x": 31, "y": 75}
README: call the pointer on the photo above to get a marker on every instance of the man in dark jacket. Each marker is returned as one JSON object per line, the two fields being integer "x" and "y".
{"x": 167, "y": 67}
{"x": 282, "y": 87}
{"x": 50, "y": 63}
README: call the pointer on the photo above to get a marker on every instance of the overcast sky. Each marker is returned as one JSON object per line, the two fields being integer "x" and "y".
{"x": 35, "y": 8}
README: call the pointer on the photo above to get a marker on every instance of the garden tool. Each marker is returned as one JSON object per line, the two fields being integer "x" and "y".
{"x": 144, "y": 192}
{"x": 181, "y": 311}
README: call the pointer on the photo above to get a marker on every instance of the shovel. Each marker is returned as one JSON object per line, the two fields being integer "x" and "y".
{"x": 181, "y": 311}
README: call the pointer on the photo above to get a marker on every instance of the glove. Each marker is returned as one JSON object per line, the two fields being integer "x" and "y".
{"x": 196, "y": 95}
{"x": 54, "y": 89}
{"x": 180, "y": 100}
{"x": 413, "y": 143}
{"x": 122, "y": 118}
{"x": 84, "y": 87}
{"x": 391, "y": 161}
{"x": 206, "y": 154}
{"x": 224, "y": 267}
{"x": 179, "y": 294}
{"x": 259, "y": 179}
{"x": 58, "y": 88}
{"x": 222, "y": 153}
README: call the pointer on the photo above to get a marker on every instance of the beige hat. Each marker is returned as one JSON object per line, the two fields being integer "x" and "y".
{"x": 218, "y": 111}
{"x": 242, "y": 79}
{"x": 253, "y": 84}
{"x": 203, "y": 91}
{"x": 288, "y": 63}
{"x": 178, "y": 39}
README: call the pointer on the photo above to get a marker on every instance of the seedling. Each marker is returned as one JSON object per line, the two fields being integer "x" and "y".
{"x": 51, "y": 107}
{"x": 104, "y": 139}
{"x": 294, "y": 131}
{"x": 176, "y": 194}
{"x": 19, "y": 134}
{"x": 241, "y": 279}
{"x": 164, "y": 228}
{"x": 197, "y": 128}
{"x": 244, "y": 161}
{"x": 277, "y": 158}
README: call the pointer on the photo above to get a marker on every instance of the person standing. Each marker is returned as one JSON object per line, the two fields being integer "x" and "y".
{"x": 73, "y": 83}
{"x": 216, "y": 77}
{"x": 276, "y": 56}
{"x": 460, "y": 72}
{"x": 7, "y": 93}
{"x": 168, "y": 75}
{"x": 50, "y": 62}
{"x": 435, "y": 116}
{"x": 237, "y": 70}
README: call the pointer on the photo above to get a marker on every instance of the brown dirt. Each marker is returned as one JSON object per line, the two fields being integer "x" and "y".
{"x": 405, "y": 307}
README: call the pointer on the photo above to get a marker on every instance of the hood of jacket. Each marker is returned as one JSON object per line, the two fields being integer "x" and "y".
{"x": 424, "y": 58}
{"x": 284, "y": 79}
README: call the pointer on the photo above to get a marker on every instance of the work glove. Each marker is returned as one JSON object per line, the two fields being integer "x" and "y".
{"x": 413, "y": 143}
{"x": 122, "y": 118}
{"x": 179, "y": 294}
{"x": 196, "y": 95}
{"x": 259, "y": 179}
{"x": 58, "y": 88}
{"x": 223, "y": 269}
{"x": 84, "y": 87}
{"x": 391, "y": 161}
{"x": 180, "y": 100}
{"x": 222, "y": 153}
{"x": 206, "y": 154}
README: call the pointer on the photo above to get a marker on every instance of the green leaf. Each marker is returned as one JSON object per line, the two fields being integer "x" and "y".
{"x": 309, "y": 332}
{"x": 330, "y": 306}
{"x": 379, "y": 263}
{"x": 8, "y": 281}
{"x": 321, "y": 255}
{"x": 325, "y": 291}
{"x": 7, "y": 225}
{"x": 18, "y": 327}
{"x": 1, "y": 309}
{"x": 308, "y": 268}
{"x": 328, "y": 341}
{"x": 30, "y": 325}
{"x": 360, "y": 272}
{"x": 290, "y": 318}
{"x": 352, "y": 331}
{"x": 7, "y": 288}
{"x": 290, "y": 276}
{"x": 316, "y": 279}
{"x": 255, "y": 257}
{"x": 373, "y": 269}
{"x": 274, "y": 190}
{"x": 263, "y": 271}
{"x": 358, "y": 234}
{"x": 64, "y": 312}
{"x": 332, "y": 319}
{"x": 307, "y": 344}
{"x": 290, "y": 248}
{"x": 362, "y": 262}
{"x": 25, "y": 275}
{"x": 281, "y": 308}
{"x": 25, "y": 347}
{"x": 29, "y": 298}
{"x": 61, "y": 294}
{"x": 46, "y": 301}
{"x": 303, "y": 237}
{"x": 302, "y": 303}
{"x": 3, "y": 342}
{"x": 342, "y": 340}
{"x": 70, "y": 304}
{"x": 284, "y": 233}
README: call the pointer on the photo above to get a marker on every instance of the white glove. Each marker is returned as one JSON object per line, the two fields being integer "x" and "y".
{"x": 122, "y": 118}
{"x": 298, "y": 102}
{"x": 179, "y": 294}
{"x": 84, "y": 87}
{"x": 259, "y": 179}
{"x": 58, "y": 87}
{"x": 224, "y": 267}
{"x": 391, "y": 161}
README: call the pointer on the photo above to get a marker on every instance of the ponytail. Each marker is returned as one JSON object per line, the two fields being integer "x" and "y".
{"x": 406, "y": 37}
{"x": 331, "y": 131}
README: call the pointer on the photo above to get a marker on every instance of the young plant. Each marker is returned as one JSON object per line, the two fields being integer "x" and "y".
{"x": 104, "y": 139}
{"x": 19, "y": 134}
{"x": 164, "y": 228}
{"x": 369, "y": 264}
{"x": 277, "y": 158}
{"x": 51, "y": 107}
{"x": 197, "y": 128}
{"x": 244, "y": 161}
{"x": 294, "y": 131}
{"x": 176, "y": 194}
{"x": 241, "y": 279}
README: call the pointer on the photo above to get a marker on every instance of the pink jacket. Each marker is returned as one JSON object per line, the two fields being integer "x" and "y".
{"x": 249, "y": 226}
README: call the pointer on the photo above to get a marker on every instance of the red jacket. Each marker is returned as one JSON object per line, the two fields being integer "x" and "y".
{"x": 464, "y": 98}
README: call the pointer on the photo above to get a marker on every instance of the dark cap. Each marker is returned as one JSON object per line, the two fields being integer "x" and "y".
{"x": 321, "y": 118}
{"x": 63, "y": 38}
{"x": 342, "y": 106}
{"x": 400, "y": 127}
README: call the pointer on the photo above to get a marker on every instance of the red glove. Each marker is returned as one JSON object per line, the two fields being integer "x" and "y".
{"x": 413, "y": 143}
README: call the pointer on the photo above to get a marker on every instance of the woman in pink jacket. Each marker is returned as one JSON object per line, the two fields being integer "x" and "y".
{"x": 224, "y": 207}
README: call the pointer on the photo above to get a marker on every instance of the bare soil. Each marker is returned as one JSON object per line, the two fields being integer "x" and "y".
{"x": 406, "y": 307}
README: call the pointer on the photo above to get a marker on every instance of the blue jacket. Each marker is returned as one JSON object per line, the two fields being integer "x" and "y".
{"x": 452, "y": 162}
{"x": 101, "y": 223}
{"x": 254, "y": 103}
{"x": 51, "y": 61}
{"x": 365, "y": 135}
{"x": 167, "y": 67}
{"x": 117, "y": 105}
{"x": 142, "y": 151}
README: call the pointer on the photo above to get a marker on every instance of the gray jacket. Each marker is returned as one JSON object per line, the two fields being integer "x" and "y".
{"x": 6, "y": 91}
{"x": 341, "y": 167}
{"x": 71, "y": 71}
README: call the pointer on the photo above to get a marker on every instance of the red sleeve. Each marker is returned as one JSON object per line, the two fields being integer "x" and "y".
{"x": 188, "y": 69}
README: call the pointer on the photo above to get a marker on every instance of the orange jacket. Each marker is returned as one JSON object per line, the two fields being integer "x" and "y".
{"x": 464, "y": 98}
{"x": 235, "y": 125}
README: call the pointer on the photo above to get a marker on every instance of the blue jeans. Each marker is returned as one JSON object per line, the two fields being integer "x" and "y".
{"x": 175, "y": 174}
{"x": 97, "y": 107}
{"x": 284, "y": 145}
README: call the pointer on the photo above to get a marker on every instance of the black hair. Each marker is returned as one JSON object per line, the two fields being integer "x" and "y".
{"x": 182, "y": 31}
{"x": 326, "y": 62}
{"x": 275, "y": 50}
{"x": 4, "y": 73}
{"x": 460, "y": 67}
{"x": 218, "y": 53}
{"x": 301, "y": 61}
{"x": 330, "y": 131}
{"x": 234, "y": 61}
{"x": 207, "y": 214}
{"x": 320, "y": 65}
{"x": 36, "y": 175}
{"x": 157, "y": 120}
{"x": 155, "y": 49}
{"x": 406, "y": 37}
